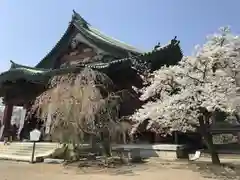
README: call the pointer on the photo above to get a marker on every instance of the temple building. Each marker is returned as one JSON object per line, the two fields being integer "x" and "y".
{"x": 81, "y": 46}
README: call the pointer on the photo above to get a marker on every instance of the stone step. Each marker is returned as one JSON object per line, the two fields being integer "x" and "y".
{"x": 4, "y": 147}
{"x": 22, "y": 151}
{"x": 40, "y": 144}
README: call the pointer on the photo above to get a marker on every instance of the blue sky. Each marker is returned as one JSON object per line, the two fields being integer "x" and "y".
{"x": 29, "y": 29}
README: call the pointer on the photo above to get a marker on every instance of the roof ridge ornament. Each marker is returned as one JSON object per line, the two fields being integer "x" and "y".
{"x": 175, "y": 41}
{"x": 12, "y": 62}
{"x": 156, "y": 47}
{"x": 14, "y": 65}
{"x": 78, "y": 18}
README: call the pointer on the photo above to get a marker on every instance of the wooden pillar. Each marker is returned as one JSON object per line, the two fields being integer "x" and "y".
{"x": 7, "y": 120}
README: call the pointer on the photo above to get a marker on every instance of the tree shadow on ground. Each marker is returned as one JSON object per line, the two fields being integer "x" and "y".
{"x": 208, "y": 170}
{"x": 113, "y": 166}
{"x": 225, "y": 171}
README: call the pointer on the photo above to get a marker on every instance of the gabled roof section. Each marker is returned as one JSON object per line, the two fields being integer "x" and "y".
{"x": 15, "y": 66}
{"x": 78, "y": 24}
{"x": 170, "y": 53}
{"x": 94, "y": 33}
{"x": 49, "y": 60}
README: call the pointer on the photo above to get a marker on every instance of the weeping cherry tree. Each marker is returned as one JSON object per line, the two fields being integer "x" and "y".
{"x": 81, "y": 104}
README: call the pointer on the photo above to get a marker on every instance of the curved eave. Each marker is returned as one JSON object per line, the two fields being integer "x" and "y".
{"x": 33, "y": 75}
{"x": 40, "y": 76}
{"x": 91, "y": 33}
{"x": 20, "y": 66}
{"x": 169, "y": 54}
{"x": 82, "y": 25}
{"x": 62, "y": 44}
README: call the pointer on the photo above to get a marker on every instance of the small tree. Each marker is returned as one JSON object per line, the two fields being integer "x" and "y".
{"x": 186, "y": 96}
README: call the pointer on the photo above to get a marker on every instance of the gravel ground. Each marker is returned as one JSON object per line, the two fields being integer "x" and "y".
{"x": 153, "y": 169}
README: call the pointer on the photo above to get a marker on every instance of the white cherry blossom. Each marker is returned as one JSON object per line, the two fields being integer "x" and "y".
{"x": 207, "y": 80}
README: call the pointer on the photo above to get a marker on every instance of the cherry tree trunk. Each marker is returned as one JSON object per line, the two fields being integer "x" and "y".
{"x": 94, "y": 146}
{"x": 106, "y": 143}
{"x": 209, "y": 142}
{"x": 213, "y": 152}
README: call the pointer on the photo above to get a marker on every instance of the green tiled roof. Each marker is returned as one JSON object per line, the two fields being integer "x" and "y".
{"x": 18, "y": 71}
{"x": 23, "y": 72}
{"x": 169, "y": 54}
{"x": 78, "y": 24}
{"x": 92, "y": 32}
